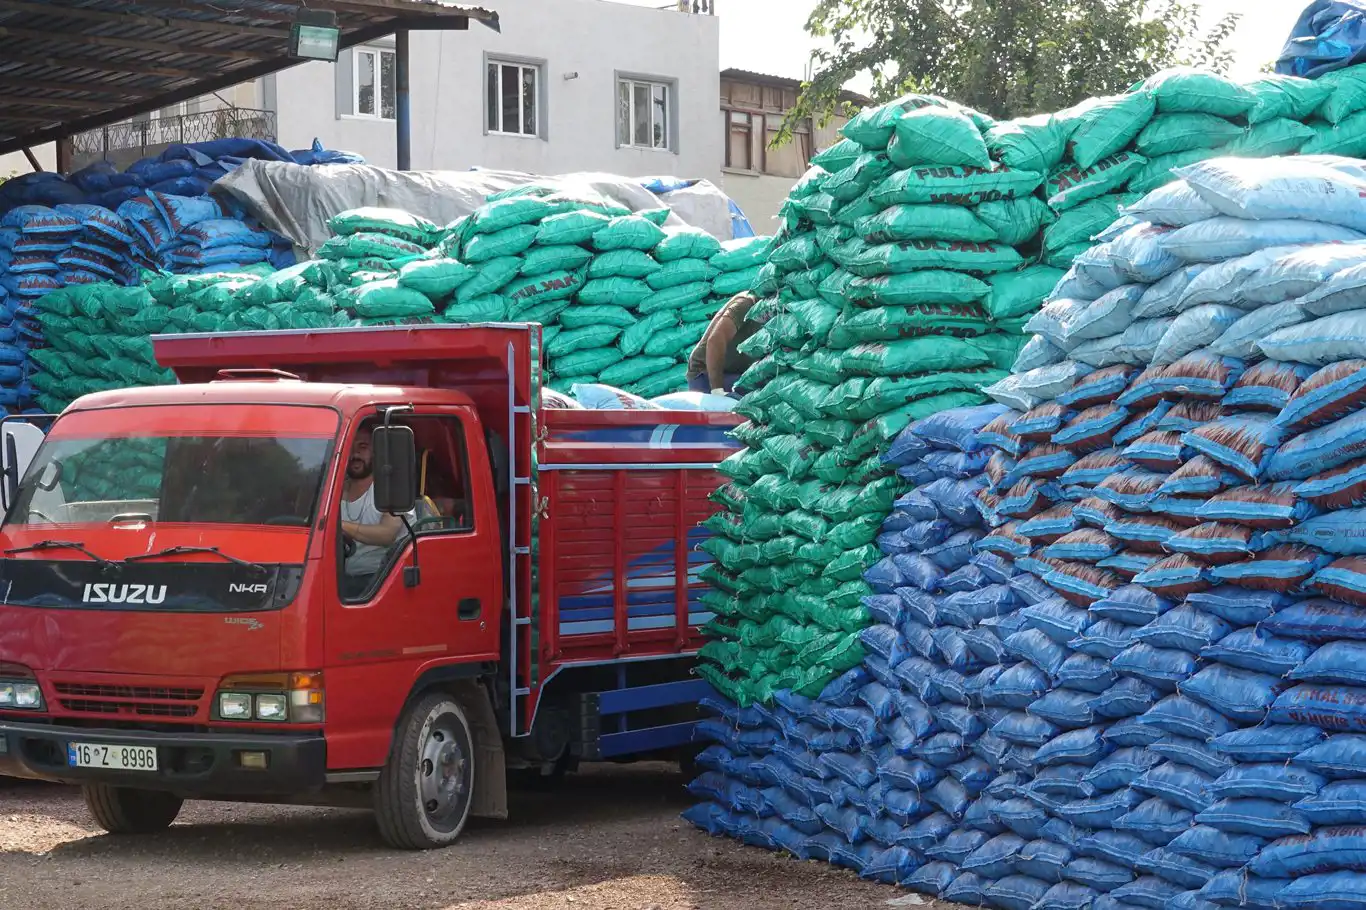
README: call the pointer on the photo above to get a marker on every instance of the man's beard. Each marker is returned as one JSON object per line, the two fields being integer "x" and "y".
{"x": 358, "y": 470}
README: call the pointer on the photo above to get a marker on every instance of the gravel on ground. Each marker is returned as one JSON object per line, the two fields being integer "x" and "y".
{"x": 606, "y": 839}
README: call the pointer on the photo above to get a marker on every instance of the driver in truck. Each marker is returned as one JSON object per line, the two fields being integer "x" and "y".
{"x": 371, "y": 531}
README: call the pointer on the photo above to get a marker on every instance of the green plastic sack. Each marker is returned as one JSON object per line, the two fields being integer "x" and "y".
{"x": 580, "y": 317}
{"x": 570, "y": 340}
{"x": 150, "y": 320}
{"x": 1158, "y": 171}
{"x": 387, "y": 299}
{"x": 851, "y": 213}
{"x": 928, "y": 286}
{"x": 954, "y": 185}
{"x": 501, "y": 214}
{"x": 686, "y": 243}
{"x": 913, "y": 355}
{"x": 1346, "y": 138}
{"x": 806, "y": 283}
{"x": 507, "y": 242}
{"x": 561, "y": 257}
{"x": 1099, "y": 127}
{"x": 1071, "y": 185}
{"x": 939, "y": 135}
{"x": 1064, "y": 257}
{"x": 862, "y": 398}
{"x": 436, "y": 278}
{"x": 637, "y": 335}
{"x": 924, "y": 222}
{"x": 623, "y": 264}
{"x": 1185, "y": 89}
{"x": 526, "y": 292}
{"x": 818, "y": 208}
{"x": 633, "y": 232}
{"x": 1017, "y": 221}
{"x": 1082, "y": 222}
{"x": 589, "y": 362}
{"x": 873, "y": 128}
{"x": 889, "y": 323}
{"x": 491, "y": 308}
{"x": 1347, "y": 94}
{"x": 675, "y": 298}
{"x": 983, "y": 258}
{"x": 1167, "y": 134}
{"x": 570, "y": 227}
{"x": 1035, "y": 143}
{"x": 491, "y": 276}
{"x": 665, "y": 382}
{"x": 628, "y": 371}
{"x": 795, "y": 253}
{"x": 627, "y": 292}
{"x": 1013, "y": 294}
{"x": 1003, "y": 349}
{"x": 742, "y": 253}
{"x": 728, "y": 284}
{"x": 1275, "y": 96}
{"x": 680, "y": 272}
{"x": 546, "y": 313}
{"x": 853, "y": 180}
{"x": 369, "y": 243}
{"x": 837, "y": 156}
{"x": 675, "y": 342}
{"x": 394, "y": 222}
{"x": 1271, "y": 138}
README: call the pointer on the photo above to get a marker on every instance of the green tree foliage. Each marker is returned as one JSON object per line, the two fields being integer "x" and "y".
{"x": 1007, "y": 58}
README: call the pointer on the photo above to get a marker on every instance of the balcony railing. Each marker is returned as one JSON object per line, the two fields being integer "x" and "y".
{"x": 145, "y": 137}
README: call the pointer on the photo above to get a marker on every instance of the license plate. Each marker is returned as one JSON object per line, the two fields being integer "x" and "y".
{"x": 119, "y": 758}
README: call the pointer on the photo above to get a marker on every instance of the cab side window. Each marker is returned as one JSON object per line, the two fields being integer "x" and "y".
{"x": 445, "y": 491}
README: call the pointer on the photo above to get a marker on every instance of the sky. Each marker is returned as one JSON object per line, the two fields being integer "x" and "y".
{"x": 767, "y": 36}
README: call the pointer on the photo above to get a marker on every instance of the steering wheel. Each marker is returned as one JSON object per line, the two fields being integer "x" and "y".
{"x": 282, "y": 520}
{"x": 44, "y": 516}
{"x": 348, "y": 547}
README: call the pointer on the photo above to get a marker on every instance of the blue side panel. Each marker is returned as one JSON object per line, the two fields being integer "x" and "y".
{"x": 632, "y": 742}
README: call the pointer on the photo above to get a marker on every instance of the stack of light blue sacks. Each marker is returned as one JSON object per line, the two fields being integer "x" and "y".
{"x": 1131, "y": 671}
{"x": 102, "y": 225}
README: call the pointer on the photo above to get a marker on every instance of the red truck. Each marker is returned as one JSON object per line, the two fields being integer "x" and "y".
{"x": 176, "y": 620}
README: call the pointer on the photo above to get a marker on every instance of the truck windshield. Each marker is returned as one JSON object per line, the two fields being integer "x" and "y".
{"x": 200, "y": 464}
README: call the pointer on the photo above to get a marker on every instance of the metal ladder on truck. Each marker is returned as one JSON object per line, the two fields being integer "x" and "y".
{"x": 522, "y": 388}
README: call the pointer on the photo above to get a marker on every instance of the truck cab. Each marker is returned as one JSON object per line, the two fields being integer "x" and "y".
{"x": 349, "y": 568}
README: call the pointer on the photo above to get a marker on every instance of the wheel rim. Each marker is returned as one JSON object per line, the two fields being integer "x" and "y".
{"x": 442, "y": 774}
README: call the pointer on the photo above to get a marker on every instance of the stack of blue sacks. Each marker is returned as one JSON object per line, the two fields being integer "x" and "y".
{"x": 101, "y": 225}
{"x": 1145, "y": 685}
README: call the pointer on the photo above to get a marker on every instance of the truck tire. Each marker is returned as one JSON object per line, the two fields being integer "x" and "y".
{"x": 424, "y": 793}
{"x": 125, "y": 810}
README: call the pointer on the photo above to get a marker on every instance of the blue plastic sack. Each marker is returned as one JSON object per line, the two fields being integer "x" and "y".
{"x": 1240, "y": 695}
{"x": 1182, "y": 716}
{"x": 932, "y": 878}
{"x": 1342, "y": 890}
{"x": 1223, "y": 237}
{"x": 1260, "y": 817}
{"x": 1337, "y": 662}
{"x": 1155, "y": 821}
{"x": 1340, "y": 803}
{"x": 1126, "y": 698}
{"x": 1270, "y": 743}
{"x": 1235, "y": 888}
{"x": 1025, "y": 729}
{"x": 1105, "y": 639}
{"x": 1257, "y": 650}
{"x": 1084, "y": 746}
{"x": 1319, "y": 620}
{"x": 1068, "y": 896}
{"x": 1163, "y": 668}
{"x": 1098, "y": 874}
{"x": 1339, "y": 757}
{"x": 1176, "y": 869}
{"x": 1084, "y": 673}
{"x": 1016, "y": 892}
{"x": 1147, "y": 891}
{"x": 1116, "y": 847}
{"x": 1271, "y": 781}
{"x": 1217, "y": 848}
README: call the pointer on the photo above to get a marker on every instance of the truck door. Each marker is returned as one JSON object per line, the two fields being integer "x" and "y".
{"x": 383, "y": 638}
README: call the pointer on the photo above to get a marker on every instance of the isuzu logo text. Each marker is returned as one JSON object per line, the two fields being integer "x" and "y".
{"x": 124, "y": 594}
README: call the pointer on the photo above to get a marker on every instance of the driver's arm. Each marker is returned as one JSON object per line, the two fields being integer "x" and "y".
{"x": 377, "y": 535}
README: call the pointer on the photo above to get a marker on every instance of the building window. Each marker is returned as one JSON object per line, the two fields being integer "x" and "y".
{"x": 740, "y": 140}
{"x": 512, "y": 94}
{"x": 375, "y": 83}
{"x": 644, "y": 110}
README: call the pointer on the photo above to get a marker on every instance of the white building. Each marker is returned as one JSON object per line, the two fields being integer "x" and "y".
{"x": 569, "y": 85}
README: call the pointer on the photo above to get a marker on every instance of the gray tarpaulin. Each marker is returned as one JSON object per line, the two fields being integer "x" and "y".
{"x": 297, "y": 201}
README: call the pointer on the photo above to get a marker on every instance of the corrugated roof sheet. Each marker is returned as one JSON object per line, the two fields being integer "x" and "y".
{"x": 72, "y": 65}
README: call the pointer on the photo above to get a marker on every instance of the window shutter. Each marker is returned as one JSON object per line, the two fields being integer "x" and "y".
{"x": 345, "y": 69}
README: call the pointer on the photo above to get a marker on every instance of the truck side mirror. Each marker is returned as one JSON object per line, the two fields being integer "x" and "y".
{"x": 394, "y": 451}
{"x": 19, "y": 442}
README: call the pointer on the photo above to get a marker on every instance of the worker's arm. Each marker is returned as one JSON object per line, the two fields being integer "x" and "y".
{"x": 378, "y": 535}
{"x": 718, "y": 340}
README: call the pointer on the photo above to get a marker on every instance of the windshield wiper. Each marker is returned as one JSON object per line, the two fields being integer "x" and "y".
{"x": 63, "y": 545}
{"x": 255, "y": 567}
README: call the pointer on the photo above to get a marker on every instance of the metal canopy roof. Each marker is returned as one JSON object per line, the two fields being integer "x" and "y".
{"x": 67, "y": 66}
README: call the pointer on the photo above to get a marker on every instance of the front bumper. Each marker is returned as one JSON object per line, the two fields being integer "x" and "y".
{"x": 190, "y": 764}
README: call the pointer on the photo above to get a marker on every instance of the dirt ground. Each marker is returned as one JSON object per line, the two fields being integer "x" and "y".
{"x": 609, "y": 839}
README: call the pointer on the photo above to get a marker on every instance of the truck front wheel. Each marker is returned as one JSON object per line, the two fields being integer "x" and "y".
{"x": 423, "y": 796}
{"x": 125, "y": 810}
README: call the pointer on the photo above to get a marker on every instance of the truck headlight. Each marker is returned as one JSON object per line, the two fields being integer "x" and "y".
{"x": 295, "y": 698}
{"x": 271, "y": 707}
{"x": 234, "y": 706}
{"x": 18, "y": 694}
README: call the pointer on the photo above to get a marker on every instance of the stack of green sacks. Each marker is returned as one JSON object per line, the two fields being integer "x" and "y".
{"x": 623, "y": 300}
{"x": 881, "y": 287}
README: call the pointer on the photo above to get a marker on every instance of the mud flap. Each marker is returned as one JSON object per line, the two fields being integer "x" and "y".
{"x": 490, "y": 798}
